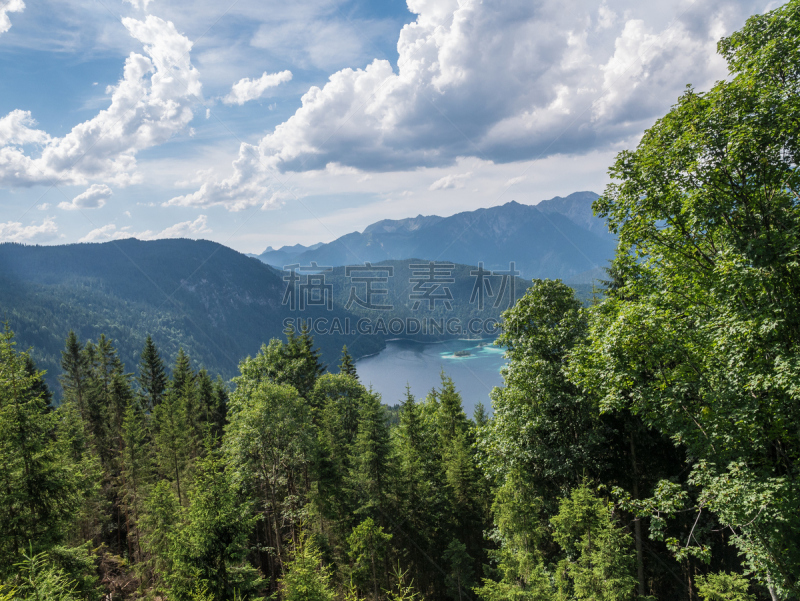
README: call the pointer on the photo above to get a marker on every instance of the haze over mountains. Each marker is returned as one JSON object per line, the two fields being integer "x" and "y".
{"x": 557, "y": 238}
{"x": 214, "y": 302}
{"x": 220, "y": 305}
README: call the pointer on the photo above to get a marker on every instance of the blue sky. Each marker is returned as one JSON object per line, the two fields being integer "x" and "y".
{"x": 261, "y": 124}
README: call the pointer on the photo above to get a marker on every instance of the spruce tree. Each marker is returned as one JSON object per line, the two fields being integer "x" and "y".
{"x": 346, "y": 365}
{"x": 40, "y": 486}
{"x": 212, "y": 543}
{"x": 136, "y": 474}
{"x": 307, "y": 578}
{"x": 75, "y": 375}
{"x": 370, "y": 457}
{"x": 152, "y": 375}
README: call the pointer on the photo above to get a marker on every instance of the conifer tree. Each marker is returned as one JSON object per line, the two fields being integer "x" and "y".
{"x": 136, "y": 472}
{"x": 75, "y": 376}
{"x": 40, "y": 488}
{"x": 211, "y": 543}
{"x": 307, "y": 578}
{"x": 346, "y": 365}
{"x": 368, "y": 550}
{"x": 370, "y": 454}
{"x": 171, "y": 436}
{"x": 152, "y": 375}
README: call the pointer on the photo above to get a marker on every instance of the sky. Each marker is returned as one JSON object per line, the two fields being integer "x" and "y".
{"x": 257, "y": 123}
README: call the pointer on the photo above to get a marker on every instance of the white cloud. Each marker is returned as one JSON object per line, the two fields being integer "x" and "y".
{"x": 148, "y": 106}
{"x": 93, "y": 198}
{"x": 105, "y": 233}
{"x": 507, "y": 81}
{"x": 605, "y": 17}
{"x": 16, "y": 129}
{"x": 141, "y": 4}
{"x": 9, "y": 6}
{"x": 449, "y": 182}
{"x": 185, "y": 229}
{"x": 247, "y": 89}
{"x": 14, "y": 231}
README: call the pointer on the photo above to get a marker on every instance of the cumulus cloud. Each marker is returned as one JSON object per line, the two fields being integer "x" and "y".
{"x": 248, "y": 89}
{"x": 185, "y": 229}
{"x": 93, "y": 198}
{"x": 14, "y": 231}
{"x": 148, "y": 106}
{"x": 9, "y": 6}
{"x": 16, "y": 128}
{"x": 450, "y": 181}
{"x": 506, "y": 81}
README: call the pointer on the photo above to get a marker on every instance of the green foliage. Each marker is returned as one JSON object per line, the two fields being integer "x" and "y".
{"x": 461, "y": 576}
{"x": 599, "y": 562}
{"x": 39, "y": 579}
{"x": 211, "y": 542}
{"x": 723, "y": 587}
{"x": 543, "y": 426}
{"x": 700, "y": 336}
{"x": 152, "y": 375}
{"x": 306, "y": 578}
{"x": 346, "y": 365}
{"x": 40, "y": 486}
{"x": 367, "y": 546}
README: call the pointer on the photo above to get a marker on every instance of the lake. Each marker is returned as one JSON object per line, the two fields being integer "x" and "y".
{"x": 420, "y": 364}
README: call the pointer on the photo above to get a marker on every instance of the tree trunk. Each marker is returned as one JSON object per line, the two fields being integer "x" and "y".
{"x": 637, "y": 523}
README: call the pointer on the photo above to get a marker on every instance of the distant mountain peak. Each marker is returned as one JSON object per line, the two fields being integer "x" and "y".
{"x": 556, "y": 238}
{"x": 401, "y": 226}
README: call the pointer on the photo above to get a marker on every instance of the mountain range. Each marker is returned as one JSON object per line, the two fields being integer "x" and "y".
{"x": 556, "y": 238}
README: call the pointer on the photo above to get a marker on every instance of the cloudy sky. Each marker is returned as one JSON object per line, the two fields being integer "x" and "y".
{"x": 256, "y": 122}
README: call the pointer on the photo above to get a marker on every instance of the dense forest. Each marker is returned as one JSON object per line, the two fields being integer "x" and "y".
{"x": 643, "y": 447}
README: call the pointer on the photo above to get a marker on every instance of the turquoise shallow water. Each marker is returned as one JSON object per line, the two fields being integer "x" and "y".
{"x": 420, "y": 365}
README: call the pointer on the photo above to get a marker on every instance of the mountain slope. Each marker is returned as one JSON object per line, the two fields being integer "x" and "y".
{"x": 558, "y": 238}
{"x": 215, "y": 302}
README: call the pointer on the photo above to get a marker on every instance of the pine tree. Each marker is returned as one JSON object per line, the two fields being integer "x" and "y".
{"x": 171, "y": 435}
{"x": 461, "y": 576}
{"x": 600, "y": 559}
{"x": 452, "y": 420}
{"x": 75, "y": 376}
{"x": 182, "y": 373}
{"x": 346, "y": 366}
{"x": 370, "y": 465}
{"x": 152, "y": 375}
{"x": 307, "y": 578}
{"x": 39, "y": 484}
{"x": 368, "y": 548}
{"x": 136, "y": 472}
{"x": 212, "y": 542}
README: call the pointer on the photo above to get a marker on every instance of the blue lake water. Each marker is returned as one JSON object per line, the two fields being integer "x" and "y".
{"x": 420, "y": 365}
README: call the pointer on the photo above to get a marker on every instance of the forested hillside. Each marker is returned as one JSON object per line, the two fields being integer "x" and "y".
{"x": 643, "y": 447}
{"x": 215, "y": 303}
